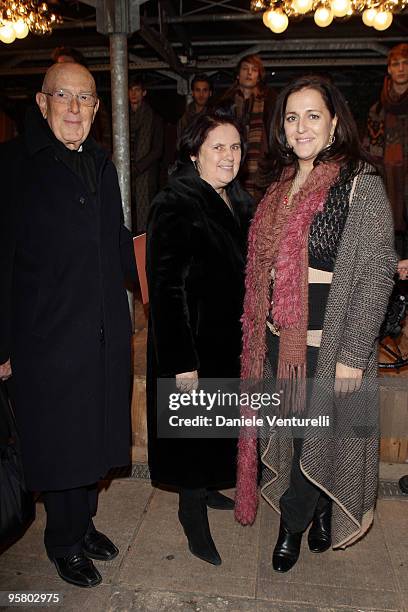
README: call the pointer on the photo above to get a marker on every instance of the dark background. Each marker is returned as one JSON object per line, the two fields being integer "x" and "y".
{"x": 199, "y": 36}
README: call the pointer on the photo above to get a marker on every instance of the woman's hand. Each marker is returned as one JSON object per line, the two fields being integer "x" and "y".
{"x": 187, "y": 381}
{"x": 347, "y": 379}
{"x": 402, "y": 269}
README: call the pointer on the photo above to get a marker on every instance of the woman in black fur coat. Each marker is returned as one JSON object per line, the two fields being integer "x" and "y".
{"x": 196, "y": 251}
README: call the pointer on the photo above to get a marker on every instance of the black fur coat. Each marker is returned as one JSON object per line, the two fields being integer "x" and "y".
{"x": 196, "y": 252}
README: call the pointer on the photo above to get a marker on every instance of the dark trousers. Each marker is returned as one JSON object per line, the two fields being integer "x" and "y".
{"x": 401, "y": 244}
{"x": 69, "y": 517}
{"x": 302, "y": 498}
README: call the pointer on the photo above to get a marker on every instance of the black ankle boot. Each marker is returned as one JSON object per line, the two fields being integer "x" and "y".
{"x": 319, "y": 536}
{"x": 218, "y": 501}
{"x": 287, "y": 549}
{"x": 193, "y": 517}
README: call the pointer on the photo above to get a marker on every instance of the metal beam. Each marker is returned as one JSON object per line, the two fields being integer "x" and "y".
{"x": 118, "y": 16}
{"x": 179, "y": 29}
{"x": 219, "y": 63}
{"x": 322, "y": 44}
{"x": 377, "y": 44}
{"x": 162, "y": 47}
{"x": 208, "y": 17}
{"x": 183, "y": 84}
{"x": 120, "y": 118}
{"x": 225, "y": 4}
{"x": 120, "y": 128}
{"x": 218, "y": 17}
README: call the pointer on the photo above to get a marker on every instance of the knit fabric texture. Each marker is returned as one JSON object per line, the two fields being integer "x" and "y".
{"x": 345, "y": 467}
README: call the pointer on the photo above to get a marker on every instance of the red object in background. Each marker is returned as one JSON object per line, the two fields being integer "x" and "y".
{"x": 139, "y": 244}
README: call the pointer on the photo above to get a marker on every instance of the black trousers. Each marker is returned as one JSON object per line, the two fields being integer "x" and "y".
{"x": 69, "y": 517}
{"x": 300, "y": 501}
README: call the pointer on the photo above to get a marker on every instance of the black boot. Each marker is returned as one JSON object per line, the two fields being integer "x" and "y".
{"x": 287, "y": 549}
{"x": 403, "y": 484}
{"x": 218, "y": 501}
{"x": 193, "y": 517}
{"x": 319, "y": 536}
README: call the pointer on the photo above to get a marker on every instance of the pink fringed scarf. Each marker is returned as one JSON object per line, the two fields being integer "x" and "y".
{"x": 278, "y": 239}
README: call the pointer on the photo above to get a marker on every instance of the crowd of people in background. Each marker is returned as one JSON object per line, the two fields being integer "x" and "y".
{"x": 252, "y": 102}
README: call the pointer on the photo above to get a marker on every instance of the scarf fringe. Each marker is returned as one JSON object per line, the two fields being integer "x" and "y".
{"x": 246, "y": 497}
{"x": 291, "y": 381}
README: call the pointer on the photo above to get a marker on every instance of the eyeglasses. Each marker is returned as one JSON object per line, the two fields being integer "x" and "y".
{"x": 65, "y": 97}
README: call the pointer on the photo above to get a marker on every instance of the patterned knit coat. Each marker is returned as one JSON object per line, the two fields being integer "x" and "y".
{"x": 346, "y": 467}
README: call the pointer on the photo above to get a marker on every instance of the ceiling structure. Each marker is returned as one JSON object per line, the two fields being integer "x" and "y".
{"x": 180, "y": 37}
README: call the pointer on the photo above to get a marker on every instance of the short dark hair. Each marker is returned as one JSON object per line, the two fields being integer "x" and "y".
{"x": 346, "y": 147}
{"x": 202, "y": 77}
{"x": 137, "y": 80}
{"x": 76, "y": 55}
{"x": 196, "y": 133}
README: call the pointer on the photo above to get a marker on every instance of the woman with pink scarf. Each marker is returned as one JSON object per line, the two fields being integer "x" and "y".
{"x": 319, "y": 274}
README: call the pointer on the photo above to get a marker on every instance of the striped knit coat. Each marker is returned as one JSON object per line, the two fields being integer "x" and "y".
{"x": 346, "y": 468}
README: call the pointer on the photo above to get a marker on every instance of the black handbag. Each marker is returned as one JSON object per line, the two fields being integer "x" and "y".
{"x": 17, "y": 507}
{"x": 396, "y": 311}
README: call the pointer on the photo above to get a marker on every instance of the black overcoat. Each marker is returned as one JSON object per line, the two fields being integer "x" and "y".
{"x": 64, "y": 316}
{"x": 196, "y": 252}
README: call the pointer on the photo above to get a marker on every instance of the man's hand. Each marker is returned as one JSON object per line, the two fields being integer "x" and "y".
{"x": 347, "y": 379}
{"x": 402, "y": 269}
{"x": 5, "y": 370}
{"x": 187, "y": 381}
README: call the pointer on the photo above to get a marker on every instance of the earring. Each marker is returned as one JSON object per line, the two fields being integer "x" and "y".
{"x": 289, "y": 149}
{"x": 332, "y": 138}
{"x": 195, "y": 164}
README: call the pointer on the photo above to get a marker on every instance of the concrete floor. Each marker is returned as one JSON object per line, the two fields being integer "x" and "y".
{"x": 156, "y": 572}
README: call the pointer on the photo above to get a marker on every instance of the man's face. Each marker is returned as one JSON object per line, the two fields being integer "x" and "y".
{"x": 398, "y": 70}
{"x": 248, "y": 75}
{"x": 69, "y": 121}
{"x": 201, "y": 93}
{"x": 136, "y": 94}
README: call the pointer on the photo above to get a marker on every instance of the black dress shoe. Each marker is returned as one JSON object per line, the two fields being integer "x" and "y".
{"x": 319, "y": 536}
{"x": 287, "y": 549}
{"x": 77, "y": 569}
{"x": 218, "y": 501}
{"x": 193, "y": 517}
{"x": 403, "y": 484}
{"x": 98, "y": 546}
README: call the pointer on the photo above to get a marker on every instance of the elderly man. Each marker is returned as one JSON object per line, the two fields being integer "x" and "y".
{"x": 101, "y": 129}
{"x": 64, "y": 317}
